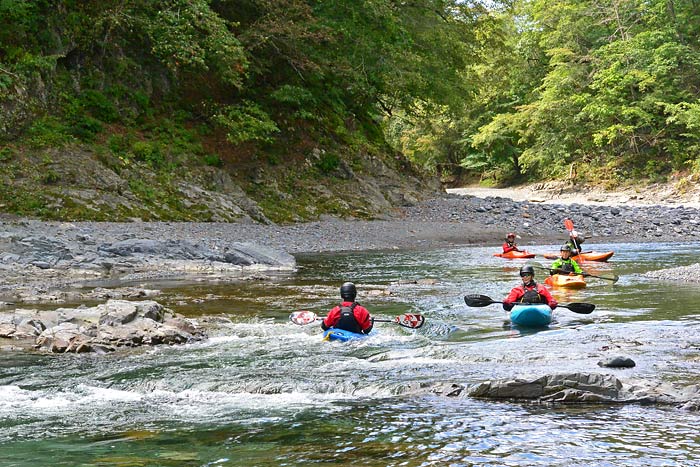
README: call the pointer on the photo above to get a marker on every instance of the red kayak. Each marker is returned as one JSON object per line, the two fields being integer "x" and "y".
{"x": 585, "y": 256}
{"x": 515, "y": 255}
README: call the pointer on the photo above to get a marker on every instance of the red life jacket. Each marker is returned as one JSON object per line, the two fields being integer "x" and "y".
{"x": 531, "y": 295}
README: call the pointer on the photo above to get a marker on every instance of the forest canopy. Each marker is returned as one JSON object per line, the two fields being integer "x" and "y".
{"x": 507, "y": 90}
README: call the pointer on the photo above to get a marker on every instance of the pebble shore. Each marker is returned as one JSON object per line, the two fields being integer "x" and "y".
{"x": 39, "y": 255}
{"x": 444, "y": 221}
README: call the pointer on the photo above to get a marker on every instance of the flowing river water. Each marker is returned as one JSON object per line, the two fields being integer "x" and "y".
{"x": 262, "y": 391}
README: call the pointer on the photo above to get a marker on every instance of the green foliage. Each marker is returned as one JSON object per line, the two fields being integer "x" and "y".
{"x": 298, "y": 98}
{"x": 143, "y": 190}
{"x": 245, "y": 122}
{"x": 6, "y": 154}
{"x": 50, "y": 177}
{"x": 99, "y": 106}
{"x": 23, "y": 202}
{"x": 188, "y": 35}
{"x": 48, "y": 132}
{"x": 148, "y": 152}
{"x": 212, "y": 160}
{"x": 86, "y": 128}
{"x": 328, "y": 162}
{"x": 574, "y": 84}
{"x": 505, "y": 89}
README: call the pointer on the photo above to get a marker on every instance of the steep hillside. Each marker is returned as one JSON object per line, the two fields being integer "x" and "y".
{"x": 226, "y": 110}
{"x": 78, "y": 181}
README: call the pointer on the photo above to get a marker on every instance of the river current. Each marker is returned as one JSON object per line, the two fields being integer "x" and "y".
{"x": 262, "y": 391}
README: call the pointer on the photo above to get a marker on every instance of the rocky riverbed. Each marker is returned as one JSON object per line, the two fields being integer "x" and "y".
{"x": 39, "y": 258}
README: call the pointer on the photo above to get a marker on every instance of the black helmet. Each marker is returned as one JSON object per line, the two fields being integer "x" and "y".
{"x": 527, "y": 270}
{"x": 348, "y": 291}
{"x": 565, "y": 248}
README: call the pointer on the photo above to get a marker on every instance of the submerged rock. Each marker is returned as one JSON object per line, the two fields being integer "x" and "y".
{"x": 618, "y": 362}
{"x": 577, "y": 388}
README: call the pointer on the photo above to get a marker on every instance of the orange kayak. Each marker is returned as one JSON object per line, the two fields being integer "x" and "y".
{"x": 564, "y": 280}
{"x": 585, "y": 256}
{"x": 515, "y": 255}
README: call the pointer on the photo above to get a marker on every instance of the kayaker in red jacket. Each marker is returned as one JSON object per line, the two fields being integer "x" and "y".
{"x": 509, "y": 245}
{"x": 349, "y": 315}
{"x": 529, "y": 291}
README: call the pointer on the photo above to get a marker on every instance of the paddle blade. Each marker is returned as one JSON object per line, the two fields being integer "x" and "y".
{"x": 613, "y": 278}
{"x": 303, "y": 317}
{"x": 410, "y": 320}
{"x": 569, "y": 224}
{"x": 581, "y": 308}
{"x": 477, "y": 300}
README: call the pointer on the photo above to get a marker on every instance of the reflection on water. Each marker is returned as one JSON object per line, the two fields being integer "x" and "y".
{"x": 264, "y": 392}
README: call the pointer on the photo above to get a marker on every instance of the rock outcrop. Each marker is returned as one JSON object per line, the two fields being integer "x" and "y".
{"x": 571, "y": 388}
{"x": 103, "y": 328}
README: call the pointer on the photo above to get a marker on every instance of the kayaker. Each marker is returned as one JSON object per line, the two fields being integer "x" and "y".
{"x": 509, "y": 245}
{"x": 529, "y": 291}
{"x": 349, "y": 315}
{"x": 575, "y": 241}
{"x": 564, "y": 264}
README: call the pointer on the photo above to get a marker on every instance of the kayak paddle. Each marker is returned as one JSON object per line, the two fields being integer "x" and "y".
{"x": 476, "y": 300}
{"x": 569, "y": 225}
{"x": 407, "y": 320}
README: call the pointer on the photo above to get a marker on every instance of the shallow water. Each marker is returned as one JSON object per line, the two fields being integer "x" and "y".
{"x": 264, "y": 392}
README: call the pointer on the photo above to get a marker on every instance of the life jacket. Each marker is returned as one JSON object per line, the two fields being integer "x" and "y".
{"x": 347, "y": 319}
{"x": 531, "y": 296}
{"x": 566, "y": 266}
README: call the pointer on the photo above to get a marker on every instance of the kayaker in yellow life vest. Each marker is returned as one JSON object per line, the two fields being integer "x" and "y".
{"x": 564, "y": 264}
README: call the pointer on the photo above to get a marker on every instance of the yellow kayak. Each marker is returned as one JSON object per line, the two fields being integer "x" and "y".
{"x": 564, "y": 280}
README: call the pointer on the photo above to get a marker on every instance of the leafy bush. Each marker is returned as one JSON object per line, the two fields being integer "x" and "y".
{"x": 86, "y": 128}
{"x": 99, "y": 106}
{"x": 245, "y": 122}
{"x": 328, "y": 162}
{"x": 6, "y": 154}
{"x": 148, "y": 152}
{"x": 50, "y": 177}
{"x": 48, "y": 132}
{"x": 189, "y": 35}
{"x": 119, "y": 144}
{"x": 213, "y": 160}
{"x": 299, "y": 98}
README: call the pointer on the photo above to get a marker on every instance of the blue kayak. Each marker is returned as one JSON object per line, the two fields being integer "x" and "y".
{"x": 531, "y": 316}
{"x": 341, "y": 335}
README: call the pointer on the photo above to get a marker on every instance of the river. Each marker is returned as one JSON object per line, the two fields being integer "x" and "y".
{"x": 264, "y": 392}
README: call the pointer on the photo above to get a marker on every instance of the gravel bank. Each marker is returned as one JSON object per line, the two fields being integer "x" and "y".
{"x": 449, "y": 220}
